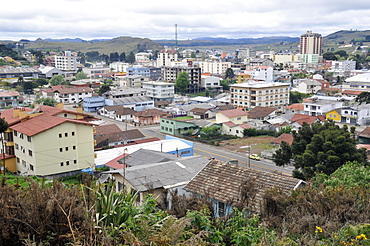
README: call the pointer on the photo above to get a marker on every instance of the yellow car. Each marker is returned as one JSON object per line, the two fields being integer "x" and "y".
{"x": 254, "y": 157}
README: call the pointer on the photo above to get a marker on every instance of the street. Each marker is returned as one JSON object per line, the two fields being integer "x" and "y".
{"x": 207, "y": 150}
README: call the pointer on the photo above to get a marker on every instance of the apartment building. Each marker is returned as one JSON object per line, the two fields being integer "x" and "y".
{"x": 159, "y": 90}
{"x": 66, "y": 62}
{"x": 310, "y": 43}
{"x": 165, "y": 57}
{"x": 64, "y": 94}
{"x": 170, "y": 74}
{"x": 249, "y": 95}
{"x": 47, "y": 141}
{"x": 214, "y": 67}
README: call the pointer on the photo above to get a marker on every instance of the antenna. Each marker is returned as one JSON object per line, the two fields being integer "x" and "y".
{"x": 176, "y": 44}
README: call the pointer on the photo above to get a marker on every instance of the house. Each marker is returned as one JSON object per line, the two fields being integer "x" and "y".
{"x": 295, "y": 108}
{"x": 317, "y": 106}
{"x": 201, "y": 113}
{"x": 65, "y": 94}
{"x": 176, "y": 127}
{"x": 298, "y": 119}
{"x": 10, "y": 99}
{"x": 15, "y": 72}
{"x": 150, "y": 116}
{"x": 225, "y": 185}
{"x": 288, "y": 138}
{"x": 351, "y": 93}
{"x": 134, "y": 81}
{"x": 230, "y": 128}
{"x": 145, "y": 156}
{"x": 364, "y": 136}
{"x": 118, "y": 138}
{"x": 262, "y": 113}
{"x": 334, "y": 115}
{"x": 238, "y": 116}
{"x": 48, "y": 141}
{"x": 117, "y": 112}
{"x": 308, "y": 86}
{"x": 106, "y": 129}
{"x": 158, "y": 178}
{"x": 120, "y": 93}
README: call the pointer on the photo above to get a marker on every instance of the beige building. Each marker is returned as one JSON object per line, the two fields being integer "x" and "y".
{"x": 66, "y": 62}
{"x": 237, "y": 116}
{"x": 165, "y": 57}
{"x": 48, "y": 141}
{"x": 214, "y": 67}
{"x": 310, "y": 43}
{"x": 249, "y": 95}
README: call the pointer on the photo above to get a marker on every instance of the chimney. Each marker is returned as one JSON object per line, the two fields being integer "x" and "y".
{"x": 60, "y": 105}
{"x": 16, "y": 112}
{"x": 79, "y": 110}
{"x": 22, "y": 113}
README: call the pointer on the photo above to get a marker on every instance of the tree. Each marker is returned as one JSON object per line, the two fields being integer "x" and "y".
{"x": 329, "y": 56}
{"x": 130, "y": 58}
{"x": 113, "y": 57}
{"x": 103, "y": 88}
{"x": 81, "y": 75}
{"x": 225, "y": 84}
{"x": 46, "y": 101}
{"x": 122, "y": 57}
{"x": 283, "y": 155}
{"x": 364, "y": 97}
{"x": 57, "y": 80}
{"x": 182, "y": 82}
{"x": 296, "y": 97}
{"x": 28, "y": 87}
{"x": 321, "y": 148}
{"x": 229, "y": 74}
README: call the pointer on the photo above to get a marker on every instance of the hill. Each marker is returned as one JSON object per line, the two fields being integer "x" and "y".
{"x": 120, "y": 44}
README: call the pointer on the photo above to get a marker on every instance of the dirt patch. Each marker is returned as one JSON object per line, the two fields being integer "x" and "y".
{"x": 258, "y": 144}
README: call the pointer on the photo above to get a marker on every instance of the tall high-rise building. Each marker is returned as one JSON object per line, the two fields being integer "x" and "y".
{"x": 311, "y": 43}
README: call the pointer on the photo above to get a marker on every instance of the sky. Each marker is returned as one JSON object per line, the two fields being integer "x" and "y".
{"x": 93, "y": 19}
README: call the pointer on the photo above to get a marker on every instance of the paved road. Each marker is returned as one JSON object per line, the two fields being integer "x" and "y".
{"x": 208, "y": 150}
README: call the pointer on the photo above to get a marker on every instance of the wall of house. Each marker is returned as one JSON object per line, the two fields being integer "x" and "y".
{"x": 174, "y": 127}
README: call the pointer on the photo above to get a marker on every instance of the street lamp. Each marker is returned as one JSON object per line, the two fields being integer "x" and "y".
{"x": 249, "y": 147}
{"x": 124, "y": 162}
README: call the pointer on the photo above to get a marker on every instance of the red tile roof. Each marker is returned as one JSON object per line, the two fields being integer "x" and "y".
{"x": 106, "y": 129}
{"x": 352, "y": 92}
{"x": 153, "y": 112}
{"x": 288, "y": 138}
{"x": 233, "y": 113}
{"x": 300, "y": 118}
{"x": 296, "y": 106}
{"x": 229, "y": 123}
{"x": 260, "y": 112}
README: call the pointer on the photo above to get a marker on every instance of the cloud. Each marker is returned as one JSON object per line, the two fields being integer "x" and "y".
{"x": 156, "y": 19}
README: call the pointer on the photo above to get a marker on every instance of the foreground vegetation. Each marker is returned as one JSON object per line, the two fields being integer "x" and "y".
{"x": 334, "y": 210}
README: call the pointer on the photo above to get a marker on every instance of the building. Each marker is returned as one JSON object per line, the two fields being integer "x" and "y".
{"x": 308, "y": 86}
{"x": 261, "y": 73}
{"x": 154, "y": 73}
{"x": 170, "y": 74}
{"x": 64, "y": 94}
{"x": 320, "y": 107}
{"x": 48, "y": 72}
{"x": 237, "y": 116}
{"x": 16, "y": 72}
{"x": 165, "y": 57}
{"x": 10, "y": 99}
{"x": 66, "y": 63}
{"x": 48, "y": 141}
{"x": 92, "y": 104}
{"x": 343, "y": 67}
{"x": 117, "y": 112}
{"x": 142, "y": 57}
{"x": 222, "y": 183}
{"x": 159, "y": 90}
{"x": 139, "y": 103}
{"x": 134, "y": 81}
{"x": 251, "y": 94}
{"x": 119, "y": 67}
{"x": 120, "y": 93}
{"x": 310, "y": 43}
{"x": 176, "y": 127}
{"x": 360, "y": 82}
{"x": 214, "y": 67}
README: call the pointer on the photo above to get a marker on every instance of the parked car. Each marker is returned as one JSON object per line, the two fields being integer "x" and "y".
{"x": 254, "y": 157}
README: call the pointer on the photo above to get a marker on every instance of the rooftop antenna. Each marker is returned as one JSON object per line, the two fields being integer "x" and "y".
{"x": 176, "y": 44}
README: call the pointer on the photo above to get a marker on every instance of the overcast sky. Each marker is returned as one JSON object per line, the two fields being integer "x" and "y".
{"x": 91, "y": 19}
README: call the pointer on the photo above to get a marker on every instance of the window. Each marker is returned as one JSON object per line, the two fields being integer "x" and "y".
{"x": 30, "y": 152}
{"x": 66, "y": 134}
{"x": 74, "y": 161}
{"x": 74, "y": 147}
{"x": 15, "y": 133}
{"x": 28, "y": 138}
{"x": 31, "y": 167}
{"x": 221, "y": 209}
{"x": 67, "y": 163}
{"x": 61, "y": 164}
{"x": 66, "y": 148}
{"x": 16, "y": 146}
{"x": 65, "y": 115}
{"x": 23, "y": 163}
{"x": 73, "y": 133}
{"x": 17, "y": 159}
{"x": 239, "y": 118}
{"x": 60, "y": 149}
{"x": 21, "y": 135}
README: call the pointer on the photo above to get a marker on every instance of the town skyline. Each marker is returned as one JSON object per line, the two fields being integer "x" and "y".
{"x": 234, "y": 19}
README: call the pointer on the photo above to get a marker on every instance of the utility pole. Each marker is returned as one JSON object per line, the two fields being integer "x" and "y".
{"x": 176, "y": 44}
